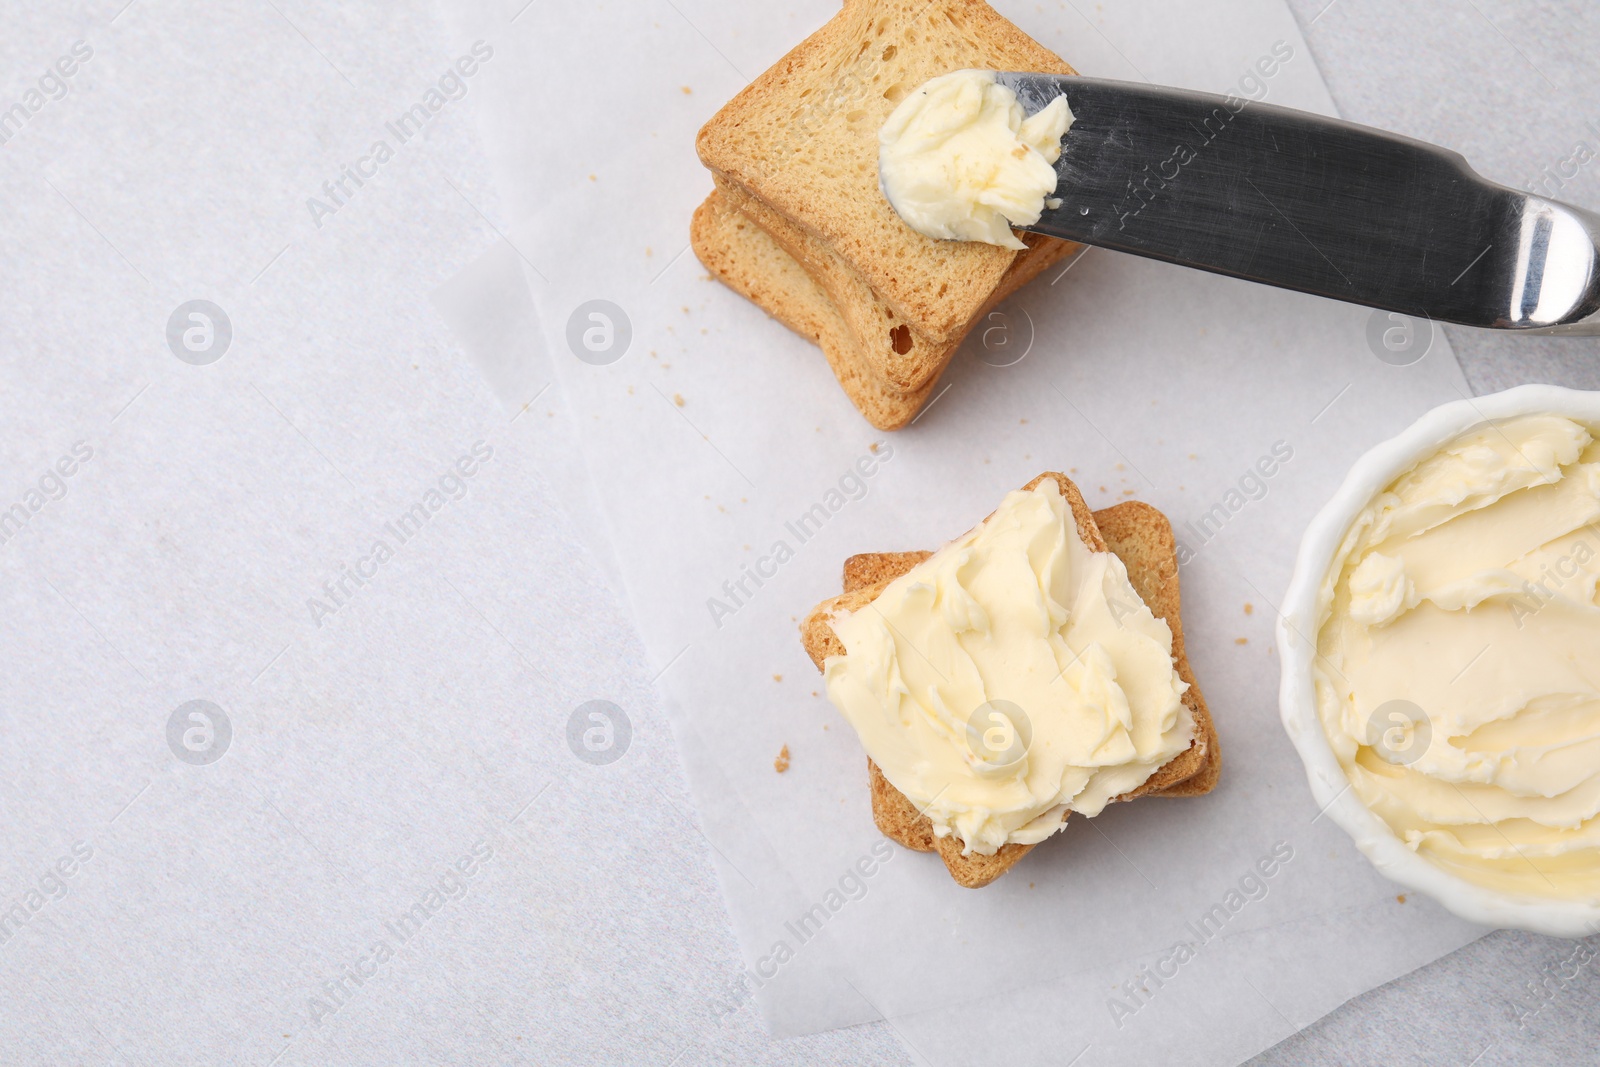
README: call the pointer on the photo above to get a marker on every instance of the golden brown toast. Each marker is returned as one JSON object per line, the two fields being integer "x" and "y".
{"x": 893, "y": 351}
{"x": 803, "y": 137}
{"x": 743, "y": 257}
{"x": 797, "y": 152}
{"x": 1142, "y": 538}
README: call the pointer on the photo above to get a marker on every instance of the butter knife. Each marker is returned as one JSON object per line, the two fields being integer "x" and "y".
{"x": 1299, "y": 201}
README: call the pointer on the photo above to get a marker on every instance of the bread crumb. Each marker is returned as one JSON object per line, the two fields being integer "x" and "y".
{"x": 777, "y": 677}
{"x": 1030, "y": 886}
{"x": 1401, "y": 897}
{"x": 647, "y": 252}
{"x": 593, "y": 178}
{"x": 1249, "y": 608}
{"x": 1193, "y": 456}
{"x": 814, "y": 693}
{"x": 1241, "y": 640}
{"x": 1022, "y": 422}
{"x": 781, "y": 764}
{"x": 1102, "y": 488}
{"x": 687, "y": 91}
{"x": 677, "y": 398}
{"x": 1120, "y": 467}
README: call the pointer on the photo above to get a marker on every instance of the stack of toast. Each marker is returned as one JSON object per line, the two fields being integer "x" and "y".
{"x": 797, "y": 222}
{"x": 1142, "y": 538}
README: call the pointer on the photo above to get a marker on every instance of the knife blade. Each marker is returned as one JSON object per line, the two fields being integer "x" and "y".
{"x": 1293, "y": 199}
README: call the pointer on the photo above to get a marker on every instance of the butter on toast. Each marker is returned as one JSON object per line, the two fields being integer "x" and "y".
{"x": 1142, "y": 538}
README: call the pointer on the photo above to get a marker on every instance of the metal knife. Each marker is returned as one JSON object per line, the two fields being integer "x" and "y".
{"x": 1323, "y": 206}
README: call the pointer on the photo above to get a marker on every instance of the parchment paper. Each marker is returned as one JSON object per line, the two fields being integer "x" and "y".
{"x": 716, "y": 429}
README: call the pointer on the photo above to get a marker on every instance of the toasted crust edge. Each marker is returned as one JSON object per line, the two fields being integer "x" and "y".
{"x": 729, "y": 244}
{"x": 731, "y": 247}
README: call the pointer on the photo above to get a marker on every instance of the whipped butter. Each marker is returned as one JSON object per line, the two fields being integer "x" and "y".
{"x": 1458, "y": 668}
{"x": 957, "y": 159}
{"x": 1011, "y": 678}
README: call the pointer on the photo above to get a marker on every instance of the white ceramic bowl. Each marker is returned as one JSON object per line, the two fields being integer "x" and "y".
{"x": 1297, "y": 634}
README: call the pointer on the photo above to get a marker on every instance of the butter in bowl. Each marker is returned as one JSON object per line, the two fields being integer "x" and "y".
{"x": 1441, "y": 651}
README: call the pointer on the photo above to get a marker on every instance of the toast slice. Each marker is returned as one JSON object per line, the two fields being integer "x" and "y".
{"x": 743, "y": 257}
{"x": 1142, "y": 538}
{"x": 898, "y": 353}
{"x": 747, "y": 259}
{"x": 803, "y": 139}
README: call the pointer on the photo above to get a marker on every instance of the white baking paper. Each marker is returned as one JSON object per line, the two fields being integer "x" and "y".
{"x": 1233, "y": 408}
